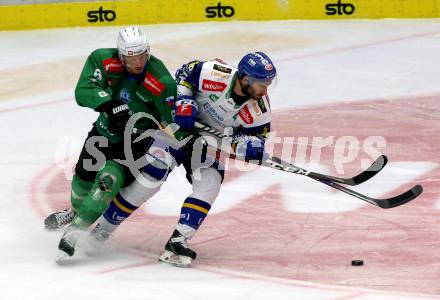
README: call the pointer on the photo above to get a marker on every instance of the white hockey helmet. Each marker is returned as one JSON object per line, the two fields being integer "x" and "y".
{"x": 132, "y": 41}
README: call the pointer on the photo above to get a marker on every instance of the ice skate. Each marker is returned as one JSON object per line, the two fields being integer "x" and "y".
{"x": 67, "y": 243}
{"x": 177, "y": 252}
{"x": 59, "y": 219}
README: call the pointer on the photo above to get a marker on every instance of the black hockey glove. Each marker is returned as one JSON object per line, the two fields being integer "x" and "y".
{"x": 118, "y": 114}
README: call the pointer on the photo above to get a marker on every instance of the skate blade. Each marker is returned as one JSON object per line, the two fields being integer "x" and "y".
{"x": 175, "y": 260}
{"x": 54, "y": 228}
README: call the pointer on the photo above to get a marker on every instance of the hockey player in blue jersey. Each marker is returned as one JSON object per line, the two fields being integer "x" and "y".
{"x": 220, "y": 96}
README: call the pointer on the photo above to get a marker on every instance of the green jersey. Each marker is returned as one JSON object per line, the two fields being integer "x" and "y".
{"x": 104, "y": 79}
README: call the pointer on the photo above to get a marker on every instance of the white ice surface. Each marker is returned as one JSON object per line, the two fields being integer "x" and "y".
{"x": 331, "y": 61}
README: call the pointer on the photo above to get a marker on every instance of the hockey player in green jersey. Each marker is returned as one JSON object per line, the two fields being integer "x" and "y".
{"x": 116, "y": 82}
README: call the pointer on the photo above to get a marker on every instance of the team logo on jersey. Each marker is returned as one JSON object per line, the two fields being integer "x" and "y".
{"x": 113, "y": 65}
{"x": 124, "y": 95}
{"x": 222, "y": 69}
{"x": 153, "y": 85}
{"x": 262, "y": 105}
{"x": 215, "y": 86}
{"x": 246, "y": 115}
{"x": 214, "y": 97}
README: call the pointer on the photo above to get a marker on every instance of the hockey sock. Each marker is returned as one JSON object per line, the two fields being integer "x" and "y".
{"x": 192, "y": 214}
{"x": 108, "y": 182}
{"x": 118, "y": 210}
{"x": 79, "y": 189}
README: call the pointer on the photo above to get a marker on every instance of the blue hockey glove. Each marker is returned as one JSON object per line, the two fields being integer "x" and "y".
{"x": 186, "y": 112}
{"x": 250, "y": 147}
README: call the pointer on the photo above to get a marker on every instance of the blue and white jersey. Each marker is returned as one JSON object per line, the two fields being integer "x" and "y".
{"x": 211, "y": 83}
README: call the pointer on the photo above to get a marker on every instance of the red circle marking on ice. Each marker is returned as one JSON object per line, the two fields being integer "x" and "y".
{"x": 259, "y": 236}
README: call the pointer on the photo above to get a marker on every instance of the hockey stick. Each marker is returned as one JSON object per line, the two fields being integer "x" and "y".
{"x": 277, "y": 163}
{"x": 403, "y": 198}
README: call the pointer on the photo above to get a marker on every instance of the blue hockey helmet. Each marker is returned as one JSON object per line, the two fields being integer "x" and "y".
{"x": 258, "y": 66}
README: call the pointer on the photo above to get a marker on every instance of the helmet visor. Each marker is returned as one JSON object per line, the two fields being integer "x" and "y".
{"x": 269, "y": 83}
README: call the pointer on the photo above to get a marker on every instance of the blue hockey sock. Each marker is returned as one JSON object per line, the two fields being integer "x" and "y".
{"x": 118, "y": 210}
{"x": 193, "y": 212}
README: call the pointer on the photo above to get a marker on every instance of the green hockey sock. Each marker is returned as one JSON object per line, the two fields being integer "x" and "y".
{"x": 108, "y": 182}
{"x": 80, "y": 188}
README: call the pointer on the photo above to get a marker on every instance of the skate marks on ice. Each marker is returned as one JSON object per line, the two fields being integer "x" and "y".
{"x": 278, "y": 232}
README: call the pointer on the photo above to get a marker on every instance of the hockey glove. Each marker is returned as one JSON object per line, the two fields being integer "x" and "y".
{"x": 185, "y": 112}
{"x": 250, "y": 147}
{"x": 118, "y": 114}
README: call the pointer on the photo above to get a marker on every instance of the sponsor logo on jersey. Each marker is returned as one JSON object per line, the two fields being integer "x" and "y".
{"x": 220, "y": 75}
{"x": 257, "y": 109}
{"x": 222, "y": 108}
{"x": 246, "y": 115}
{"x": 213, "y": 97}
{"x": 215, "y": 86}
{"x": 153, "y": 85}
{"x": 218, "y": 59}
{"x": 142, "y": 97}
{"x": 216, "y": 117}
{"x": 113, "y": 65}
{"x": 222, "y": 69}
{"x": 262, "y": 105}
{"x": 102, "y": 94}
{"x": 124, "y": 95}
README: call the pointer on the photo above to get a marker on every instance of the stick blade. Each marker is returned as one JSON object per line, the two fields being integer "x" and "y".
{"x": 401, "y": 199}
{"x": 375, "y": 168}
{"x": 367, "y": 174}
